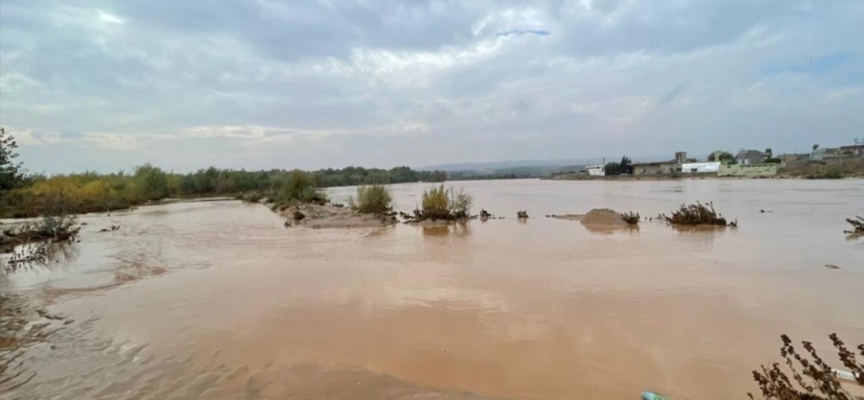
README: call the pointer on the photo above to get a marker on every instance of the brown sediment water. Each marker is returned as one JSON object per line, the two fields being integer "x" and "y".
{"x": 219, "y": 300}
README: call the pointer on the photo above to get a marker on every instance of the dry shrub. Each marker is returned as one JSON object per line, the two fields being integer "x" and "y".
{"x": 811, "y": 378}
{"x": 698, "y": 214}
{"x": 631, "y": 218}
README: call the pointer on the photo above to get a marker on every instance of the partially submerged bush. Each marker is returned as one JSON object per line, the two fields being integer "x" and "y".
{"x": 460, "y": 203}
{"x": 698, "y": 214}
{"x": 445, "y": 204}
{"x": 436, "y": 203}
{"x": 521, "y": 214}
{"x": 857, "y": 226}
{"x": 815, "y": 380}
{"x": 372, "y": 199}
{"x": 631, "y": 218}
{"x": 57, "y": 226}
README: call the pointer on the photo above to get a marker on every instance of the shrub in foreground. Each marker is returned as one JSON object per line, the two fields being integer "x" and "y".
{"x": 811, "y": 378}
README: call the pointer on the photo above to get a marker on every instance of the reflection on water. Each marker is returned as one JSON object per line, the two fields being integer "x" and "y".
{"x": 612, "y": 229}
{"x": 220, "y": 301}
{"x": 457, "y": 229}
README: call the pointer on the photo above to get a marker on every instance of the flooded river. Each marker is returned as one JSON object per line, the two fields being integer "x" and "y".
{"x": 217, "y": 300}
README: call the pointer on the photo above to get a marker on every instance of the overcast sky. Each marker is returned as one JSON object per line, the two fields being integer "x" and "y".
{"x": 105, "y": 85}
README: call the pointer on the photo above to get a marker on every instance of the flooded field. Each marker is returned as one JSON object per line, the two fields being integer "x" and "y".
{"x": 217, "y": 300}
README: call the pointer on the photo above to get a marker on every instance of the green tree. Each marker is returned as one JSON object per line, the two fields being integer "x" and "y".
{"x": 435, "y": 176}
{"x": 722, "y": 156}
{"x": 612, "y": 169}
{"x": 11, "y": 173}
{"x": 403, "y": 174}
{"x": 625, "y": 167}
{"x": 152, "y": 182}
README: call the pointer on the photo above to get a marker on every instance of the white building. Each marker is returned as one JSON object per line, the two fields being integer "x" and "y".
{"x": 700, "y": 167}
{"x": 596, "y": 170}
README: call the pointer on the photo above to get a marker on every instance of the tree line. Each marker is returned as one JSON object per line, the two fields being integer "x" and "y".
{"x": 25, "y": 195}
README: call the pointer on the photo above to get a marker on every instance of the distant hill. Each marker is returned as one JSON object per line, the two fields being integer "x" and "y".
{"x": 508, "y": 169}
{"x": 504, "y": 165}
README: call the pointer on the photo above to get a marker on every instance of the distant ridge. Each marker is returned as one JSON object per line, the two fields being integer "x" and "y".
{"x": 496, "y": 165}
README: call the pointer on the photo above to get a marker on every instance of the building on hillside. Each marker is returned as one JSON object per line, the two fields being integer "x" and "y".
{"x": 824, "y": 153}
{"x": 596, "y": 170}
{"x": 853, "y": 150}
{"x": 670, "y": 167}
{"x": 748, "y": 170}
{"x": 657, "y": 168}
{"x": 749, "y": 157}
{"x": 709, "y": 167}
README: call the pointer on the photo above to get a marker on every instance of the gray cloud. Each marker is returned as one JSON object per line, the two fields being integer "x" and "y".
{"x": 104, "y": 84}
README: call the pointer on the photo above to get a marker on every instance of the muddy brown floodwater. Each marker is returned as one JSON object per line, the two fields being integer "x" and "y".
{"x": 219, "y": 301}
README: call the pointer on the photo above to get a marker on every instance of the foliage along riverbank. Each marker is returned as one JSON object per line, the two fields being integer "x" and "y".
{"x": 93, "y": 192}
{"x": 30, "y": 195}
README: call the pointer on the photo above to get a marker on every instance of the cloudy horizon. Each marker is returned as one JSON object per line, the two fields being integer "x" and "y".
{"x": 109, "y": 84}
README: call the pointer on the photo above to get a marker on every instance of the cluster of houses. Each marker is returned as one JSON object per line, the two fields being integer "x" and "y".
{"x": 749, "y": 163}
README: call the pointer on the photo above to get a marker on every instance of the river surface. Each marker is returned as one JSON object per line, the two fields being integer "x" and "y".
{"x": 218, "y": 300}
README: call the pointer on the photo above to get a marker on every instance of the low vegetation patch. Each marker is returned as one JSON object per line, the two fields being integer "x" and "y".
{"x": 811, "y": 378}
{"x": 372, "y": 199}
{"x": 827, "y": 173}
{"x": 698, "y": 214}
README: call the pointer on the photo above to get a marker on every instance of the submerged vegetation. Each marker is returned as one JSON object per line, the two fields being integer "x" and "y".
{"x": 631, "y": 218}
{"x": 698, "y": 214}
{"x": 48, "y": 228}
{"x": 811, "y": 378}
{"x": 857, "y": 226}
{"x": 440, "y": 203}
